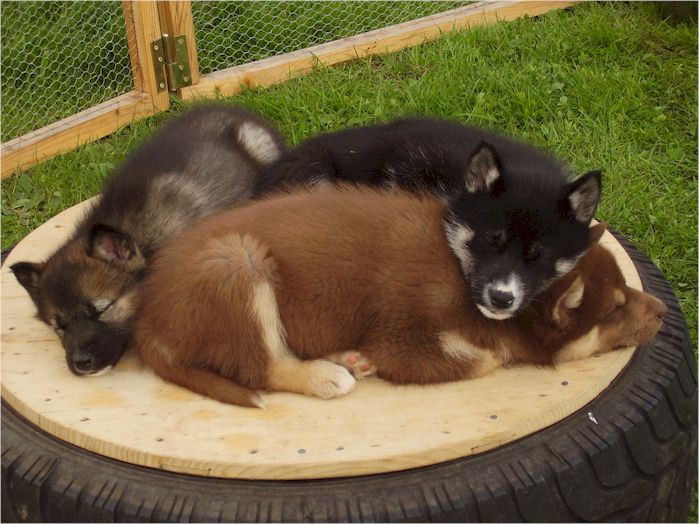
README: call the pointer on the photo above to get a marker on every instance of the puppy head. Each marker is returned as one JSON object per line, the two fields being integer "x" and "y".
{"x": 86, "y": 292}
{"x": 591, "y": 310}
{"x": 514, "y": 235}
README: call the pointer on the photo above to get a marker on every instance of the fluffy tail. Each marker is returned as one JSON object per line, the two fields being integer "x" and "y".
{"x": 210, "y": 384}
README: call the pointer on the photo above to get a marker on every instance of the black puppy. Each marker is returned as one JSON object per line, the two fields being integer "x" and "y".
{"x": 515, "y": 219}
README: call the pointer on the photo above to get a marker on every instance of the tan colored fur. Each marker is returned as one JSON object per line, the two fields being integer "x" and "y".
{"x": 580, "y": 348}
{"x": 457, "y": 347}
{"x": 255, "y": 296}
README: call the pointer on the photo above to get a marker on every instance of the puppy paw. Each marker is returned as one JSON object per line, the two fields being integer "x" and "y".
{"x": 360, "y": 366}
{"x": 328, "y": 380}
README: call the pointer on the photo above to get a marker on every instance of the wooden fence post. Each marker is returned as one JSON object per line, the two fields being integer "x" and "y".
{"x": 142, "y": 28}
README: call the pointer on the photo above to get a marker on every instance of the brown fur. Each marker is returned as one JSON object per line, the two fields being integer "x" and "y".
{"x": 362, "y": 270}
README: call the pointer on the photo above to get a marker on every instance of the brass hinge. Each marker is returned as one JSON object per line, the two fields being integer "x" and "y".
{"x": 171, "y": 63}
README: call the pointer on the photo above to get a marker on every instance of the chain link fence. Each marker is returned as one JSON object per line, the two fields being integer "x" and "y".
{"x": 59, "y": 58}
{"x": 234, "y": 33}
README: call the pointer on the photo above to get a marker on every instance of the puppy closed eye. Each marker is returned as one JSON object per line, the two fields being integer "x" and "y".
{"x": 96, "y": 308}
{"x": 102, "y": 305}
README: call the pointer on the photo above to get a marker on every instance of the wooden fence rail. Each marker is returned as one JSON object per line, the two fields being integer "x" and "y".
{"x": 147, "y": 21}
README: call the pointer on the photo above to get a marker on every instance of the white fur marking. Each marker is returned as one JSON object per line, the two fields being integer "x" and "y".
{"x": 258, "y": 142}
{"x": 264, "y": 304}
{"x": 564, "y": 265}
{"x": 101, "y": 304}
{"x": 122, "y": 309}
{"x": 491, "y": 176}
{"x": 512, "y": 285}
{"x": 493, "y": 314}
{"x": 574, "y": 298}
{"x": 582, "y": 347}
{"x": 456, "y": 346}
{"x": 100, "y": 372}
{"x": 458, "y": 235}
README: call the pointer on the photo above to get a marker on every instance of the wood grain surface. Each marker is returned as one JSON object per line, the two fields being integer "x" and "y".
{"x": 133, "y": 416}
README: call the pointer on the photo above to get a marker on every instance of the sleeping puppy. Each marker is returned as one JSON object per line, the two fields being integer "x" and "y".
{"x": 355, "y": 278}
{"x": 199, "y": 163}
{"x": 516, "y": 219}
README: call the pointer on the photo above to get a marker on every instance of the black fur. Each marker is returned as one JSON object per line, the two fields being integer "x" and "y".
{"x": 523, "y": 220}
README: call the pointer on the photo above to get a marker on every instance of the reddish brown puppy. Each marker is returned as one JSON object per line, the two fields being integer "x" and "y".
{"x": 271, "y": 296}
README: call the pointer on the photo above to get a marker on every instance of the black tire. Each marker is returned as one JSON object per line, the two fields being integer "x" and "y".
{"x": 638, "y": 463}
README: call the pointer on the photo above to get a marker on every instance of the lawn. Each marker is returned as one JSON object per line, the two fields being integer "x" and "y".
{"x": 604, "y": 86}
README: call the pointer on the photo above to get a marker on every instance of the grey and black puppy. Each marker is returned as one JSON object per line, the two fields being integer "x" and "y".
{"x": 201, "y": 162}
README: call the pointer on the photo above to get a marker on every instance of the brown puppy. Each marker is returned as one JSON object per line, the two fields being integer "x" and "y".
{"x": 263, "y": 297}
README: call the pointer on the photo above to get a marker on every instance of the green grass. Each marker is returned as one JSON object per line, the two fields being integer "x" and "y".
{"x": 607, "y": 86}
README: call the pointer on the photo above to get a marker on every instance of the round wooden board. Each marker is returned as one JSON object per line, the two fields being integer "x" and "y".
{"x": 133, "y": 416}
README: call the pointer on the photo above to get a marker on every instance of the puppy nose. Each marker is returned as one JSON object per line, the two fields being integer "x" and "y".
{"x": 501, "y": 299}
{"x": 83, "y": 361}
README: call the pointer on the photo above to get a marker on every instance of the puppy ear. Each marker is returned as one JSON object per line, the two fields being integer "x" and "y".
{"x": 484, "y": 171}
{"x": 28, "y": 274}
{"x": 596, "y": 232}
{"x": 582, "y": 196}
{"x": 113, "y": 247}
{"x": 569, "y": 300}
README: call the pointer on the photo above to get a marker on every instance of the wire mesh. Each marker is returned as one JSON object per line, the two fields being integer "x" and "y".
{"x": 59, "y": 58}
{"x": 230, "y": 33}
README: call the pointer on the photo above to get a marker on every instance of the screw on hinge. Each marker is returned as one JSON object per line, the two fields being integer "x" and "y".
{"x": 171, "y": 62}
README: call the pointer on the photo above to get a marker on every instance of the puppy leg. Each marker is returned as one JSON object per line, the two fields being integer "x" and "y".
{"x": 318, "y": 378}
{"x": 442, "y": 358}
{"x": 285, "y": 372}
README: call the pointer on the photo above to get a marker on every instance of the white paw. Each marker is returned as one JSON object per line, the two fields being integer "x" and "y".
{"x": 328, "y": 380}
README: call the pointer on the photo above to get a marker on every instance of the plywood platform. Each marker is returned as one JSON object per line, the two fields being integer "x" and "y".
{"x": 133, "y": 416}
